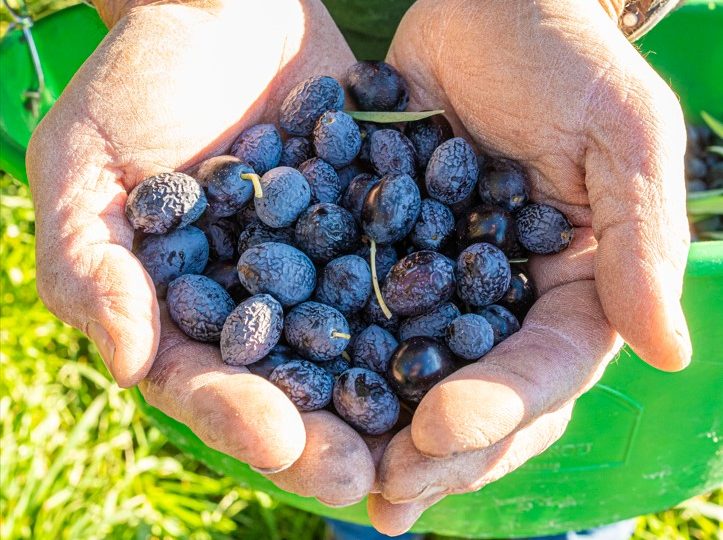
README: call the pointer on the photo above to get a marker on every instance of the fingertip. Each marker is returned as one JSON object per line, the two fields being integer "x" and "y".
{"x": 670, "y": 350}
{"x": 396, "y": 519}
{"x": 442, "y": 427}
{"x": 335, "y": 465}
{"x": 130, "y": 345}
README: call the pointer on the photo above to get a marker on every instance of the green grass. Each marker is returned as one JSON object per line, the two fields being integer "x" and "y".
{"x": 77, "y": 460}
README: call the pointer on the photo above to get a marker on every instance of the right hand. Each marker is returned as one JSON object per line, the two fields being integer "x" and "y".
{"x": 171, "y": 84}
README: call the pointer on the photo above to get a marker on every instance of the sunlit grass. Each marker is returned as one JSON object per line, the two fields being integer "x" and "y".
{"x": 76, "y": 458}
{"x": 78, "y": 461}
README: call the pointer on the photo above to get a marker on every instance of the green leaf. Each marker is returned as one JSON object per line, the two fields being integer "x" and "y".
{"x": 716, "y": 150}
{"x": 385, "y": 117}
{"x": 711, "y": 235}
{"x": 713, "y": 123}
{"x": 705, "y": 202}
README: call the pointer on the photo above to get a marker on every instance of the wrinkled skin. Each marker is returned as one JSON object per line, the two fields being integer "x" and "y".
{"x": 603, "y": 138}
{"x": 102, "y": 138}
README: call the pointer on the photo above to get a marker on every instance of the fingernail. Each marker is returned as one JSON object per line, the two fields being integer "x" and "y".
{"x": 682, "y": 337}
{"x": 337, "y": 504}
{"x": 271, "y": 470}
{"x": 103, "y": 342}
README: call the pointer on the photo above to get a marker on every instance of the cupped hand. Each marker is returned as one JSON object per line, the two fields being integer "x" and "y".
{"x": 171, "y": 84}
{"x": 556, "y": 86}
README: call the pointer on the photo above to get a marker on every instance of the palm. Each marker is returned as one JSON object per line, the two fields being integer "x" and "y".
{"x": 602, "y": 139}
{"x": 168, "y": 87}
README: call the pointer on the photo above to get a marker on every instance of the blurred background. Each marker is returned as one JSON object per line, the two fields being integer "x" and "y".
{"x": 77, "y": 460}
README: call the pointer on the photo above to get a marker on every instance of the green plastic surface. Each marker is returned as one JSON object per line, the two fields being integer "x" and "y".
{"x": 639, "y": 441}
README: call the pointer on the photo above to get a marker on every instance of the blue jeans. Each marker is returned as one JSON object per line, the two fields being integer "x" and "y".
{"x": 621, "y": 530}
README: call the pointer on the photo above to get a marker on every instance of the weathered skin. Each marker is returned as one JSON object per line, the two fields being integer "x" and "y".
{"x": 345, "y": 284}
{"x": 226, "y": 191}
{"x": 165, "y": 257}
{"x": 392, "y": 153}
{"x": 164, "y": 202}
{"x": 307, "y": 385}
{"x": 251, "y": 330}
{"x": 286, "y": 195}
{"x": 312, "y": 330}
{"x": 373, "y": 348}
{"x": 603, "y": 143}
{"x": 199, "y": 306}
{"x": 336, "y": 138}
{"x": 259, "y": 146}
{"x": 325, "y": 231}
{"x": 483, "y": 274}
{"x": 307, "y": 101}
{"x": 391, "y": 208}
{"x": 543, "y": 229}
{"x": 434, "y": 226}
{"x": 431, "y": 324}
{"x": 323, "y": 181}
{"x": 452, "y": 171}
{"x": 470, "y": 336}
{"x": 418, "y": 283}
{"x": 364, "y": 399}
{"x": 280, "y": 270}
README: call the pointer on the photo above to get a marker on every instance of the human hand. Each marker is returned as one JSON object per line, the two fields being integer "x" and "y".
{"x": 556, "y": 86}
{"x": 171, "y": 84}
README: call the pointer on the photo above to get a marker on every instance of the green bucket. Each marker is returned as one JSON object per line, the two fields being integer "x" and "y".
{"x": 639, "y": 441}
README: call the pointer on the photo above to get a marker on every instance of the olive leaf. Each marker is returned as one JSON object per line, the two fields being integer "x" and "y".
{"x": 715, "y": 125}
{"x": 388, "y": 117}
{"x": 705, "y": 202}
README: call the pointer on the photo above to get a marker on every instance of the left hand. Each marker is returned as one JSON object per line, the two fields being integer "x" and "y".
{"x": 554, "y": 85}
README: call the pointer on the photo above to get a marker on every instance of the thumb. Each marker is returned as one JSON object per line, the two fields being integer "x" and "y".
{"x": 636, "y": 189}
{"x": 86, "y": 274}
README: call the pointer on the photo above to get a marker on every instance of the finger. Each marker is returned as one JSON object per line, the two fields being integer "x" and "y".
{"x": 335, "y": 467}
{"x": 561, "y": 351}
{"x": 377, "y": 444}
{"x": 86, "y": 274}
{"x": 230, "y": 409}
{"x": 408, "y": 476}
{"x": 636, "y": 188}
{"x": 395, "y": 519}
{"x": 576, "y": 263}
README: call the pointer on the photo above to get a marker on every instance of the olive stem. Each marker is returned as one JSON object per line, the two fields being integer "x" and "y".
{"x": 375, "y": 281}
{"x": 345, "y": 356}
{"x": 340, "y": 335}
{"x": 518, "y": 261}
{"x": 255, "y": 179}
